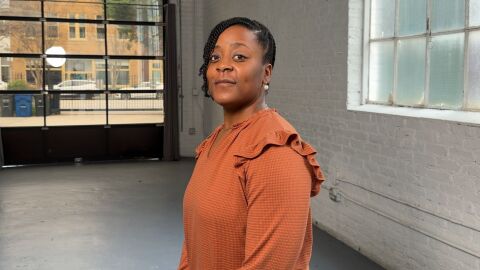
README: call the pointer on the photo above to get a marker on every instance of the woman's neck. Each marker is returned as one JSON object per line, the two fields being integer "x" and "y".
{"x": 232, "y": 117}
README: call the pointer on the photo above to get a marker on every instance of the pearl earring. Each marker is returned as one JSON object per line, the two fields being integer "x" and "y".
{"x": 265, "y": 86}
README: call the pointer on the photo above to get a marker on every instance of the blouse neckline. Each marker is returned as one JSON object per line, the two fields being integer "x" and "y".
{"x": 235, "y": 126}
{"x": 250, "y": 118}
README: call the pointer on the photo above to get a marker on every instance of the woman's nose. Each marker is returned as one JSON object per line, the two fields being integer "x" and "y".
{"x": 223, "y": 66}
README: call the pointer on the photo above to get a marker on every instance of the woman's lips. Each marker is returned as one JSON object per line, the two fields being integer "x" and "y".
{"x": 225, "y": 82}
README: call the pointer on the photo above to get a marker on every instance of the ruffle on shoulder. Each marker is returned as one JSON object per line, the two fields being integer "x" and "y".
{"x": 278, "y": 138}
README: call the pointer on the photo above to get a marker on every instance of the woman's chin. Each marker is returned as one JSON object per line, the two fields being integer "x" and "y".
{"x": 223, "y": 98}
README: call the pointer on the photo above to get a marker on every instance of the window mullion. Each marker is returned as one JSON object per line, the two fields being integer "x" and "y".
{"x": 44, "y": 65}
{"x": 465, "y": 55}
{"x": 366, "y": 53}
{"x": 107, "y": 69}
{"x": 391, "y": 100}
{"x": 427, "y": 54}
{"x": 395, "y": 54}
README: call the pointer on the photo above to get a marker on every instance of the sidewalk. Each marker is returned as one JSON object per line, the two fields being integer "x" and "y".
{"x": 85, "y": 118}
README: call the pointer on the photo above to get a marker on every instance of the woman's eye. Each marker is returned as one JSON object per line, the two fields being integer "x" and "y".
{"x": 239, "y": 57}
{"x": 214, "y": 58}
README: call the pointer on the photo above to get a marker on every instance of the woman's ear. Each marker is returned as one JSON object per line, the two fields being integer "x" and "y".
{"x": 267, "y": 73}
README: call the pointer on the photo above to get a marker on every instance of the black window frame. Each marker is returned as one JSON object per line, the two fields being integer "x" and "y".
{"x": 75, "y": 22}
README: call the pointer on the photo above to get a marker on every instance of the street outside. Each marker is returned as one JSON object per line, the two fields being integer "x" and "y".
{"x": 92, "y": 112}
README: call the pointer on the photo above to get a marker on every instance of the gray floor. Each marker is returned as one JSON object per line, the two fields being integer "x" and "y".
{"x": 111, "y": 216}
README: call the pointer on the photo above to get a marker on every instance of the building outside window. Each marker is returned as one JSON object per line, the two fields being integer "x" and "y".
{"x": 81, "y": 28}
{"x": 31, "y": 31}
{"x": 52, "y": 31}
{"x": 121, "y": 59}
{"x": 72, "y": 34}
{"x": 124, "y": 32}
{"x": 52, "y": 28}
{"x": 100, "y": 28}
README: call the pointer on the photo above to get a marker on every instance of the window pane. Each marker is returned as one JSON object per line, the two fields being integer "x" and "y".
{"x": 381, "y": 72}
{"x": 135, "y": 40}
{"x": 382, "y": 18}
{"x": 20, "y": 8}
{"x": 474, "y": 70}
{"x": 74, "y": 75}
{"x": 411, "y": 72}
{"x": 412, "y": 17}
{"x": 76, "y": 38}
{"x": 448, "y": 15}
{"x": 20, "y": 37}
{"x": 474, "y": 12}
{"x": 21, "y": 110}
{"x": 63, "y": 9}
{"x": 21, "y": 73}
{"x": 148, "y": 11}
{"x": 133, "y": 75}
{"x": 76, "y": 109}
{"x": 446, "y": 71}
{"x": 141, "y": 108}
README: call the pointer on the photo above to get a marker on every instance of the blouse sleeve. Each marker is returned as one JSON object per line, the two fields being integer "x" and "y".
{"x": 183, "y": 265}
{"x": 279, "y": 181}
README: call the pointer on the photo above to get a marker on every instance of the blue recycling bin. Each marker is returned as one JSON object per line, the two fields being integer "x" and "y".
{"x": 23, "y": 105}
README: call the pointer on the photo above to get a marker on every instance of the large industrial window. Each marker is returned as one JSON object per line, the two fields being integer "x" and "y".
{"x": 422, "y": 53}
{"x": 89, "y": 62}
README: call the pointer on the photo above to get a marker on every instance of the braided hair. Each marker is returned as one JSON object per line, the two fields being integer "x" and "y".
{"x": 264, "y": 37}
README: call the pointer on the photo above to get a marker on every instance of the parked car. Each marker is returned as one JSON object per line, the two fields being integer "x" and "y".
{"x": 76, "y": 85}
{"x": 144, "y": 86}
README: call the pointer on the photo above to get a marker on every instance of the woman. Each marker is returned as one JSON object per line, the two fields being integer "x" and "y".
{"x": 247, "y": 203}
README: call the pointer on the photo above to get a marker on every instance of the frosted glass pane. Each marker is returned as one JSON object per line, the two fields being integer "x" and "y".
{"x": 382, "y": 18}
{"x": 411, "y": 72}
{"x": 412, "y": 17}
{"x": 448, "y": 15}
{"x": 474, "y": 12}
{"x": 446, "y": 71}
{"x": 474, "y": 70}
{"x": 381, "y": 71}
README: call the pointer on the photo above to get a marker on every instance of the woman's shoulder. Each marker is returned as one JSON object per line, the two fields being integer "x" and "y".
{"x": 273, "y": 132}
{"x": 265, "y": 126}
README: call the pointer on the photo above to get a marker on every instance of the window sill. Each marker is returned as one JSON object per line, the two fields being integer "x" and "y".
{"x": 446, "y": 115}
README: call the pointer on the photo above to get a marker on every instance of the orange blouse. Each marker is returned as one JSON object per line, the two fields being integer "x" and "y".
{"x": 247, "y": 205}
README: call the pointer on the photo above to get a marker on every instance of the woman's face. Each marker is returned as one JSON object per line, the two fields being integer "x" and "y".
{"x": 236, "y": 72}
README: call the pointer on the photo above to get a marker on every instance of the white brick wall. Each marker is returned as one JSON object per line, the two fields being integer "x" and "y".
{"x": 191, "y": 107}
{"x": 424, "y": 174}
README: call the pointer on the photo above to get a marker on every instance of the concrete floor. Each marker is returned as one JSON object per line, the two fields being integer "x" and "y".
{"x": 124, "y": 215}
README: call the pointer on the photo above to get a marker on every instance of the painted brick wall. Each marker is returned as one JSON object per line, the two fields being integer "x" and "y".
{"x": 409, "y": 188}
{"x": 191, "y": 106}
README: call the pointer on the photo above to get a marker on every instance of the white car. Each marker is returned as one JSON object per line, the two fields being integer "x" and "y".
{"x": 144, "y": 86}
{"x": 3, "y": 85}
{"x": 76, "y": 85}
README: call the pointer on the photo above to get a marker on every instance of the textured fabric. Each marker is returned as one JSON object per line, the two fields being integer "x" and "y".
{"x": 247, "y": 205}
